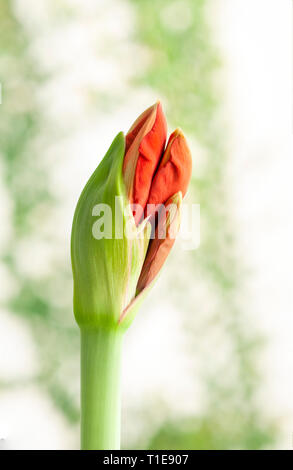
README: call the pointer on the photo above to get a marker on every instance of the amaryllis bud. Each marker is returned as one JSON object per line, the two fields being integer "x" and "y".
{"x": 112, "y": 272}
{"x": 117, "y": 252}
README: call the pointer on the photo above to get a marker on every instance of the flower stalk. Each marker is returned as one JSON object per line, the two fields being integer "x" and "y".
{"x": 100, "y": 388}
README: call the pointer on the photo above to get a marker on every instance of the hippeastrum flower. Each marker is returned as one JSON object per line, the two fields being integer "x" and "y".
{"x": 136, "y": 193}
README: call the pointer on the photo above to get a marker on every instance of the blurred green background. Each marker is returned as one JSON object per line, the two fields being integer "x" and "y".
{"x": 198, "y": 368}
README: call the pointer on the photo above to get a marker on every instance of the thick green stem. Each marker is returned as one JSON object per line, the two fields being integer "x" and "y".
{"x": 100, "y": 389}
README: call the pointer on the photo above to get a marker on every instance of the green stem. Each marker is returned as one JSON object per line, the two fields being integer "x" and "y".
{"x": 100, "y": 389}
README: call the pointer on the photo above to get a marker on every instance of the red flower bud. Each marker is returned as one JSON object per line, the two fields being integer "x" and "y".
{"x": 158, "y": 178}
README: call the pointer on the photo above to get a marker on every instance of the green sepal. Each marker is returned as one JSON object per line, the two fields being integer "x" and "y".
{"x": 106, "y": 270}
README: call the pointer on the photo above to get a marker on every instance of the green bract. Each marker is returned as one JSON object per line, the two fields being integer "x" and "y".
{"x": 106, "y": 269}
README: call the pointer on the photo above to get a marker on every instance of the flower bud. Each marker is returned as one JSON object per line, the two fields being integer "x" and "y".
{"x": 117, "y": 257}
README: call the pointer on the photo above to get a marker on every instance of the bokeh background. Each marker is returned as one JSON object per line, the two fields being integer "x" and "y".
{"x": 208, "y": 360}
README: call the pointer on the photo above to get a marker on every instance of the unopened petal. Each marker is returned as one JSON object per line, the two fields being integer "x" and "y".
{"x": 174, "y": 171}
{"x": 161, "y": 245}
{"x": 145, "y": 144}
{"x": 136, "y": 127}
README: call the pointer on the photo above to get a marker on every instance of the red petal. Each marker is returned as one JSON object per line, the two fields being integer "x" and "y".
{"x": 135, "y": 128}
{"x": 174, "y": 171}
{"x": 159, "y": 247}
{"x": 145, "y": 143}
